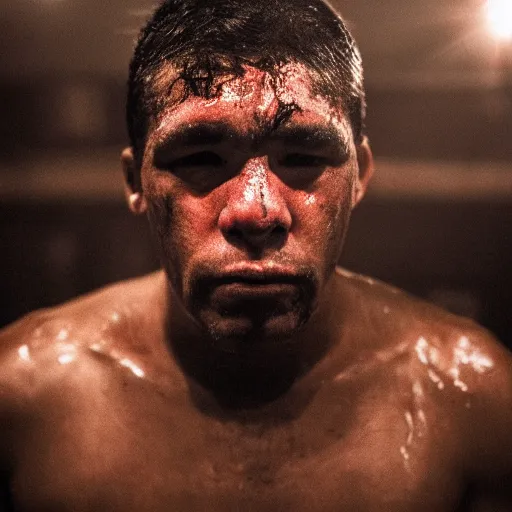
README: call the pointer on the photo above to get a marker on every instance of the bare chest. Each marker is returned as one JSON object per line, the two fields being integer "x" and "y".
{"x": 136, "y": 449}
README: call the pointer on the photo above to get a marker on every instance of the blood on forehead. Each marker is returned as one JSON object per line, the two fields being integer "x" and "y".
{"x": 277, "y": 96}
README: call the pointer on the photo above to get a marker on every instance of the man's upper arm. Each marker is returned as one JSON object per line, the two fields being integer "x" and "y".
{"x": 16, "y": 377}
{"x": 489, "y": 425}
{"x": 8, "y": 405}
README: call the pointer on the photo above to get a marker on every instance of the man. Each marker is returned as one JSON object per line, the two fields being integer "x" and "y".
{"x": 251, "y": 374}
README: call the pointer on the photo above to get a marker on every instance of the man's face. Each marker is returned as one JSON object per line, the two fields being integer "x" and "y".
{"x": 250, "y": 213}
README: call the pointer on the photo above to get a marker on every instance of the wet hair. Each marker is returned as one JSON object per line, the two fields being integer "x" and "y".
{"x": 209, "y": 41}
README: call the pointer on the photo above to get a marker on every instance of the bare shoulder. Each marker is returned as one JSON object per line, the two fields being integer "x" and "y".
{"x": 458, "y": 347}
{"x": 38, "y": 348}
{"x": 417, "y": 320}
{"x": 125, "y": 298}
{"x": 467, "y": 370}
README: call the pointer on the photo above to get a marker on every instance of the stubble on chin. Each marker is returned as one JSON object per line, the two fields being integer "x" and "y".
{"x": 252, "y": 322}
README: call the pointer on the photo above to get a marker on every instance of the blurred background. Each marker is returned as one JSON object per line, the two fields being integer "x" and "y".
{"x": 438, "y": 217}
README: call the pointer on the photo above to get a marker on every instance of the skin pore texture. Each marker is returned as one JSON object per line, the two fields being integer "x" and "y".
{"x": 251, "y": 373}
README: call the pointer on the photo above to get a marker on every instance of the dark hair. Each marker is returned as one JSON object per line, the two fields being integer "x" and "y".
{"x": 205, "y": 40}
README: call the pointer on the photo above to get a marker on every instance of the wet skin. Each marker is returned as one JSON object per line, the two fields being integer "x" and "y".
{"x": 409, "y": 412}
{"x": 251, "y": 374}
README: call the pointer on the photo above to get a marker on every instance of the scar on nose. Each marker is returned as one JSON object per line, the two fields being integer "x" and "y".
{"x": 263, "y": 205}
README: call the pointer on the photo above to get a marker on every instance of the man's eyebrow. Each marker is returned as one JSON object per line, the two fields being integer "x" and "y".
{"x": 200, "y": 134}
{"x": 309, "y": 137}
{"x": 313, "y": 137}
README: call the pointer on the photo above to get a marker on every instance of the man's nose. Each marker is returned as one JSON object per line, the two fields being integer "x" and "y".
{"x": 256, "y": 214}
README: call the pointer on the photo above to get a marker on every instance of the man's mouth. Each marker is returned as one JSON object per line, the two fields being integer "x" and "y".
{"x": 231, "y": 292}
{"x": 253, "y": 297}
{"x": 259, "y": 272}
{"x": 255, "y": 288}
{"x": 258, "y": 279}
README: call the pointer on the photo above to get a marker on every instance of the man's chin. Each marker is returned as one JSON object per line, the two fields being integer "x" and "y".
{"x": 247, "y": 333}
{"x": 248, "y": 305}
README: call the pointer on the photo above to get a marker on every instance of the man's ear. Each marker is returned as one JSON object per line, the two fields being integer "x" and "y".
{"x": 132, "y": 185}
{"x": 366, "y": 168}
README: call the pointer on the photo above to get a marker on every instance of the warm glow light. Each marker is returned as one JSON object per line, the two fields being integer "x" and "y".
{"x": 499, "y": 16}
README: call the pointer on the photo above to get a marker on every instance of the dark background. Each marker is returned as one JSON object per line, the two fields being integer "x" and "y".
{"x": 438, "y": 217}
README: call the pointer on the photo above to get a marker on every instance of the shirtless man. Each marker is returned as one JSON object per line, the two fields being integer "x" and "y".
{"x": 251, "y": 374}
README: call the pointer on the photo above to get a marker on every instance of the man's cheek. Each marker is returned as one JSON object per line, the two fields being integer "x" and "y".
{"x": 161, "y": 215}
{"x": 159, "y": 200}
{"x": 319, "y": 215}
{"x": 329, "y": 220}
{"x": 183, "y": 224}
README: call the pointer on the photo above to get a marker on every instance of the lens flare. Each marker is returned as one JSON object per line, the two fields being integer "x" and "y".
{"x": 499, "y": 18}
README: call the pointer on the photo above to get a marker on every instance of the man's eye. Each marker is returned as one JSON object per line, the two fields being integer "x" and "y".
{"x": 302, "y": 160}
{"x": 201, "y": 159}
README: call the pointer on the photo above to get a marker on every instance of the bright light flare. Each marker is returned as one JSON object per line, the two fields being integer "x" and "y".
{"x": 499, "y": 18}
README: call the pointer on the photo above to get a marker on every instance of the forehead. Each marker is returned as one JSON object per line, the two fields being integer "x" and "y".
{"x": 249, "y": 102}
